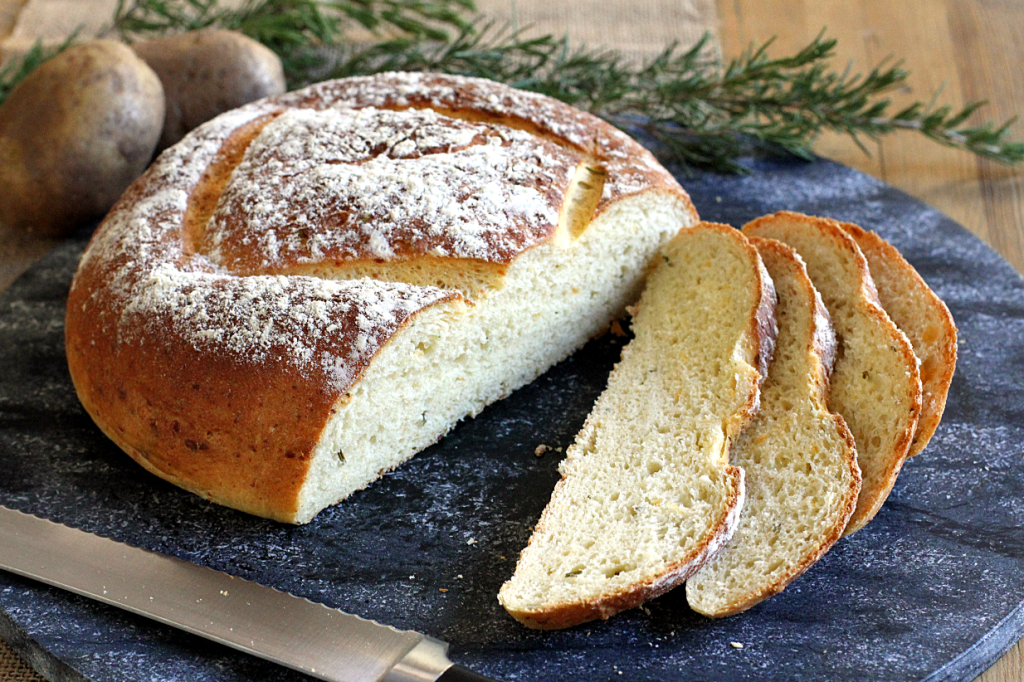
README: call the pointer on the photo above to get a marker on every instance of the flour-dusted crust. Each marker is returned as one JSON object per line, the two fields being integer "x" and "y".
{"x": 647, "y": 494}
{"x": 234, "y": 298}
{"x": 922, "y": 316}
{"x": 876, "y": 386}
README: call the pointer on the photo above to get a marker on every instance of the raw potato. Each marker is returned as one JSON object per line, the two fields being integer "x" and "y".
{"x": 74, "y": 134}
{"x": 208, "y": 72}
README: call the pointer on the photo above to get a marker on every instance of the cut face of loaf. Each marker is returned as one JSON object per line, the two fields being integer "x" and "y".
{"x": 647, "y": 493}
{"x": 306, "y": 291}
{"x": 922, "y": 316}
{"x": 450, "y": 362}
{"x": 798, "y": 458}
{"x": 875, "y": 385}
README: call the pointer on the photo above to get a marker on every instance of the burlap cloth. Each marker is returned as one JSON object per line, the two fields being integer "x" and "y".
{"x": 637, "y": 28}
{"x": 13, "y": 668}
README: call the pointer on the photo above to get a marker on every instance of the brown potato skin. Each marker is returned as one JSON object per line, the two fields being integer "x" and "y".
{"x": 74, "y": 134}
{"x": 208, "y": 72}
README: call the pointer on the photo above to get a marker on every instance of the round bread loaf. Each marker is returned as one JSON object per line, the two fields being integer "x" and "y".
{"x": 308, "y": 290}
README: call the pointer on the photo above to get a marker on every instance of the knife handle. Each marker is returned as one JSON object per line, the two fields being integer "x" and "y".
{"x": 457, "y": 673}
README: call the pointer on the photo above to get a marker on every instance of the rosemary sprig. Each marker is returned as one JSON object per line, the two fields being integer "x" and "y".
{"x": 699, "y": 112}
{"x": 301, "y": 32}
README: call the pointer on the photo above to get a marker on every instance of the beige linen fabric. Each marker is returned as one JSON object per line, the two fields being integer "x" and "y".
{"x": 637, "y": 29}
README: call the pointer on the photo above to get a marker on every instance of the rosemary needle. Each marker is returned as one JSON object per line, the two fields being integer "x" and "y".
{"x": 698, "y": 112}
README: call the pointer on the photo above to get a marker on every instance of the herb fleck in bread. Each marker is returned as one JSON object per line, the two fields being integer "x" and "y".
{"x": 647, "y": 492}
{"x": 799, "y": 461}
{"x": 876, "y": 386}
{"x": 919, "y": 314}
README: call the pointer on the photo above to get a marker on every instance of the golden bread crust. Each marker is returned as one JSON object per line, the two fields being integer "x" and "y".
{"x": 219, "y": 376}
{"x": 758, "y": 340}
{"x": 843, "y": 268}
{"x": 819, "y": 347}
{"x": 923, "y": 317}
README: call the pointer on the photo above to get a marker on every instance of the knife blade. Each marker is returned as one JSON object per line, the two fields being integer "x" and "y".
{"x": 320, "y": 641}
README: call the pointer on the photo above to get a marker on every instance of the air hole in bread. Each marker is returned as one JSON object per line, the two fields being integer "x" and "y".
{"x": 618, "y": 569}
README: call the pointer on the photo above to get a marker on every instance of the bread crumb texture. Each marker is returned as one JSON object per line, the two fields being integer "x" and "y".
{"x": 799, "y": 459}
{"x": 923, "y": 317}
{"x": 344, "y": 272}
{"x": 876, "y": 386}
{"x": 647, "y": 492}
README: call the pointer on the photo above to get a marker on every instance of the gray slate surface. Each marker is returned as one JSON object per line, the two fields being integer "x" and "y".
{"x": 932, "y": 590}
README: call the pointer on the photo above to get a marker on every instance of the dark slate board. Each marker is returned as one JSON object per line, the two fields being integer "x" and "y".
{"x": 932, "y": 590}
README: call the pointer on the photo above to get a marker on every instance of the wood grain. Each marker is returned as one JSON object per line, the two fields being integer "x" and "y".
{"x": 636, "y": 29}
{"x": 969, "y": 48}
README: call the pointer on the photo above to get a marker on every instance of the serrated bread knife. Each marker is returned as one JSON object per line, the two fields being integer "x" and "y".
{"x": 322, "y": 642}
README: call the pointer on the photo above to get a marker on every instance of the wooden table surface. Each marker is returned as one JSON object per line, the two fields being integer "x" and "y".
{"x": 967, "y": 48}
{"x": 971, "y": 49}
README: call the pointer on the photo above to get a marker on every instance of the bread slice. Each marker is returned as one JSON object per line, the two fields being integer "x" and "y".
{"x": 798, "y": 458}
{"x": 876, "y": 386}
{"x": 919, "y": 314}
{"x": 647, "y": 492}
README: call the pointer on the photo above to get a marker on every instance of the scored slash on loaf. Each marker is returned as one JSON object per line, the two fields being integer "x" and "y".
{"x": 306, "y": 291}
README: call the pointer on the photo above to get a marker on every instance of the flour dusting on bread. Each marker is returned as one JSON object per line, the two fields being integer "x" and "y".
{"x": 366, "y": 183}
{"x": 445, "y": 240}
{"x": 260, "y": 318}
